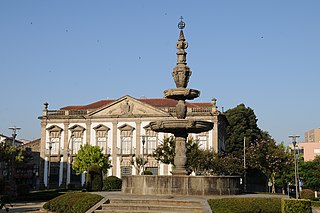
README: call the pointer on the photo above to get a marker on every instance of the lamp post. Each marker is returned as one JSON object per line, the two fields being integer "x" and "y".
{"x": 294, "y": 143}
{"x": 14, "y": 135}
{"x": 143, "y": 143}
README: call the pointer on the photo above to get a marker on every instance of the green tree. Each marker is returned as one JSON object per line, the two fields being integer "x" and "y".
{"x": 309, "y": 172}
{"x": 138, "y": 163}
{"x": 242, "y": 123}
{"x": 90, "y": 155}
{"x": 270, "y": 158}
{"x": 198, "y": 160}
{"x": 165, "y": 151}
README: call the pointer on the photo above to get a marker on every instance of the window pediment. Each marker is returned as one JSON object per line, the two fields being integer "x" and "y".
{"x": 101, "y": 127}
{"x": 54, "y": 128}
{"x": 77, "y": 128}
{"x": 126, "y": 127}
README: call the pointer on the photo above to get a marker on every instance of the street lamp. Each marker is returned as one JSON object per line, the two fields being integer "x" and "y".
{"x": 14, "y": 135}
{"x": 294, "y": 143}
{"x": 143, "y": 143}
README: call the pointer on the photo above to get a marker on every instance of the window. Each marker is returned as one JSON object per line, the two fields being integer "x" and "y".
{"x": 151, "y": 141}
{"x": 76, "y": 144}
{"x": 54, "y": 172}
{"x": 316, "y": 151}
{"x": 126, "y": 170}
{"x": 77, "y": 138}
{"x": 53, "y": 145}
{"x": 154, "y": 170}
{"x": 126, "y": 136}
{"x": 126, "y": 142}
{"x": 102, "y": 137}
{"x": 202, "y": 139}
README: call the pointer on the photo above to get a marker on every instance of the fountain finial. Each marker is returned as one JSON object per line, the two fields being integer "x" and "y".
{"x": 181, "y": 24}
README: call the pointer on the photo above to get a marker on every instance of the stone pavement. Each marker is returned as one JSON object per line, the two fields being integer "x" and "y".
{"x": 25, "y": 207}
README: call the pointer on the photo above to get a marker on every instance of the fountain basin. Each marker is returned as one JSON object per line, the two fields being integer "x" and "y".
{"x": 181, "y": 125}
{"x": 181, "y": 185}
{"x": 181, "y": 93}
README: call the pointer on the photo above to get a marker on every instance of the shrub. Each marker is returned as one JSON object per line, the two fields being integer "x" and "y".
{"x": 237, "y": 205}
{"x": 1, "y": 186}
{"x": 315, "y": 203}
{"x": 147, "y": 172}
{"x": 74, "y": 202}
{"x": 112, "y": 183}
{"x": 23, "y": 189}
{"x": 307, "y": 194}
{"x": 94, "y": 178}
{"x": 295, "y": 205}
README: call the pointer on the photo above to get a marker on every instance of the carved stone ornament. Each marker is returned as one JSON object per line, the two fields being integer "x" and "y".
{"x": 126, "y": 108}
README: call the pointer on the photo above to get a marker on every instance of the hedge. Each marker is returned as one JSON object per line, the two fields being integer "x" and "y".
{"x": 315, "y": 203}
{"x": 296, "y": 205}
{"x": 240, "y": 205}
{"x": 73, "y": 202}
{"x": 112, "y": 183}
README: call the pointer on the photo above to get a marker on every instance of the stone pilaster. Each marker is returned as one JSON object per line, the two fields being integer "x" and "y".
{"x": 114, "y": 148}
{"x": 138, "y": 137}
{"x": 88, "y": 131}
{"x": 42, "y": 152}
{"x": 65, "y": 155}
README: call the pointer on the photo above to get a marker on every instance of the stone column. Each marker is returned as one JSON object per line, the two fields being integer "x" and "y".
{"x": 114, "y": 148}
{"x": 88, "y": 132}
{"x": 138, "y": 138}
{"x": 65, "y": 155}
{"x": 42, "y": 153}
{"x": 180, "y": 158}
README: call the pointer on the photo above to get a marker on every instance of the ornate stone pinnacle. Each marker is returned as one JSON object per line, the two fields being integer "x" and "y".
{"x": 181, "y": 24}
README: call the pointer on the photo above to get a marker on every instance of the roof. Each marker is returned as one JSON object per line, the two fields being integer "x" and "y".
{"x": 156, "y": 102}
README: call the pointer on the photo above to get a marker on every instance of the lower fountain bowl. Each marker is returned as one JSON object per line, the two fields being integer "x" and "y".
{"x": 181, "y": 125}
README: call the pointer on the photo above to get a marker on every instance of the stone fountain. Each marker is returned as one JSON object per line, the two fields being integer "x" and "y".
{"x": 181, "y": 127}
{"x": 179, "y": 183}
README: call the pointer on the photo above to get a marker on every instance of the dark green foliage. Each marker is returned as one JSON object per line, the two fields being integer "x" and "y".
{"x": 112, "y": 183}
{"x": 310, "y": 172}
{"x": 147, "y": 172}
{"x": 242, "y": 123}
{"x": 90, "y": 155}
{"x": 2, "y": 185}
{"x": 307, "y": 194}
{"x": 94, "y": 178}
{"x": 315, "y": 203}
{"x": 74, "y": 202}
{"x": 23, "y": 189}
{"x": 296, "y": 206}
{"x": 242, "y": 205}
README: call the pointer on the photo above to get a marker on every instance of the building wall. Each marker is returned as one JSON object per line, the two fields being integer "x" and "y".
{"x": 113, "y": 120}
{"x": 312, "y": 135}
{"x": 310, "y": 150}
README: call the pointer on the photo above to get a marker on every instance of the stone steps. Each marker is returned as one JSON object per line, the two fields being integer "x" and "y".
{"x": 150, "y": 205}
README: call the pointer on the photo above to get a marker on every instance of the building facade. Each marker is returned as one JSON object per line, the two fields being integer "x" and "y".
{"x": 117, "y": 127}
{"x": 312, "y": 136}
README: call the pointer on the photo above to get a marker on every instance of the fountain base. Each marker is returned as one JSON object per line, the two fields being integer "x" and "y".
{"x": 181, "y": 185}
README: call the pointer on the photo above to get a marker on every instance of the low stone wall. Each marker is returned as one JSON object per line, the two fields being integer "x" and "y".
{"x": 181, "y": 185}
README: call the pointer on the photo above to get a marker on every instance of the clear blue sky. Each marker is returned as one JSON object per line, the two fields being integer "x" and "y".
{"x": 264, "y": 54}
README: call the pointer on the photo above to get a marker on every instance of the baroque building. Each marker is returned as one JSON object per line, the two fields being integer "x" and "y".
{"x": 117, "y": 127}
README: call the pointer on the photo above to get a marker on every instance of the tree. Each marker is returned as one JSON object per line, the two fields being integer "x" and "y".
{"x": 270, "y": 158}
{"x": 138, "y": 163}
{"x": 242, "y": 123}
{"x": 89, "y": 155}
{"x": 198, "y": 160}
{"x": 310, "y": 173}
